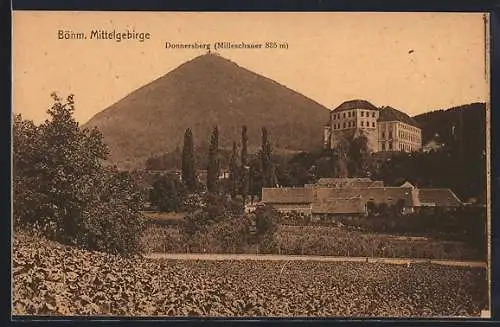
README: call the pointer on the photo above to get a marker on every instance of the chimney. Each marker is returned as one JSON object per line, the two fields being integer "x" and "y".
{"x": 415, "y": 198}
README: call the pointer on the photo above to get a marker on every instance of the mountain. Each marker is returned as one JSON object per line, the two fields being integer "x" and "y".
{"x": 199, "y": 94}
{"x": 461, "y": 128}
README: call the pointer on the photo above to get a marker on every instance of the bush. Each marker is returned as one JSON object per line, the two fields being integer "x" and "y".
{"x": 168, "y": 193}
{"x": 112, "y": 221}
{"x": 192, "y": 202}
{"x": 266, "y": 225}
{"x": 222, "y": 226}
{"x": 62, "y": 187}
{"x": 162, "y": 239}
{"x": 231, "y": 236}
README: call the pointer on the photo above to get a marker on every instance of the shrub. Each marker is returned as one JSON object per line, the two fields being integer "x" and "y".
{"x": 168, "y": 193}
{"x": 112, "y": 220}
{"x": 231, "y": 236}
{"x": 62, "y": 187}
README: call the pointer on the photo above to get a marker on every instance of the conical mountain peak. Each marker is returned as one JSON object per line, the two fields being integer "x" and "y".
{"x": 205, "y": 91}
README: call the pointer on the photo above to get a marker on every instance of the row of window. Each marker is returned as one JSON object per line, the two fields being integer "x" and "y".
{"x": 406, "y": 147}
{"x": 410, "y": 128}
{"x": 349, "y": 114}
{"x": 403, "y": 135}
{"x": 402, "y": 146}
{"x": 408, "y": 136}
{"x": 352, "y": 124}
{"x": 390, "y": 135}
{"x": 388, "y": 147}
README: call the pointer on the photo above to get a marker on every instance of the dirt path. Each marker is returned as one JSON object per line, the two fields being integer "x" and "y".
{"x": 274, "y": 257}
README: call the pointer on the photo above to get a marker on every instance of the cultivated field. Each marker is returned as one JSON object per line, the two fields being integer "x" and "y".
{"x": 326, "y": 241}
{"x": 51, "y": 279}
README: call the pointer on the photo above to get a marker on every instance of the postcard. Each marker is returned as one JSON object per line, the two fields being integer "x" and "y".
{"x": 244, "y": 164}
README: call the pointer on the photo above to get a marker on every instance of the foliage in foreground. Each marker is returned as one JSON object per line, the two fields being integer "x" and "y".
{"x": 221, "y": 225}
{"x": 51, "y": 279}
{"x": 62, "y": 188}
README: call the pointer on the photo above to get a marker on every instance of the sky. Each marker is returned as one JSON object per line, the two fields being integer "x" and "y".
{"x": 415, "y": 62}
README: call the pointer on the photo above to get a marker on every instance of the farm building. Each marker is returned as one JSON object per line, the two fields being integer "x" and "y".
{"x": 289, "y": 199}
{"x": 352, "y": 197}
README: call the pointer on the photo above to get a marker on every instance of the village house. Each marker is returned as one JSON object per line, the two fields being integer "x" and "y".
{"x": 353, "y": 197}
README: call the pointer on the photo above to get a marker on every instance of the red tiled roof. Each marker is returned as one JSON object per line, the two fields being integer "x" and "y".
{"x": 338, "y": 206}
{"x": 389, "y": 195}
{"x": 439, "y": 197}
{"x": 391, "y": 114}
{"x": 355, "y": 104}
{"x": 287, "y": 195}
{"x": 347, "y": 182}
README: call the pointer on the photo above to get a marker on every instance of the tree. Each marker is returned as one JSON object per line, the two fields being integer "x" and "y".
{"x": 188, "y": 162}
{"x": 267, "y": 169}
{"x": 359, "y": 155}
{"x": 112, "y": 220}
{"x": 167, "y": 193}
{"x": 244, "y": 175}
{"x": 266, "y": 226}
{"x": 233, "y": 172}
{"x": 62, "y": 187}
{"x": 67, "y": 161}
{"x": 340, "y": 160}
{"x": 255, "y": 177}
{"x": 26, "y": 141}
{"x": 213, "y": 162}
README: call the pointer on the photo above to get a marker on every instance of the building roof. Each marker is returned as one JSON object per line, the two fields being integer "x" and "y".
{"x": 377, "y": 184}
{"x": 407, "y": 184}
{"x": 391, "y": 114}
{"x": 330, "y": 180}
{"x": 287, "y": 195}
{"x": 346, "y": 182}
{"x": 338, "y": 206}
{"x": 355, "y": 104}
{"x": 440, "y": 197}
{"x": 375, "y": 194}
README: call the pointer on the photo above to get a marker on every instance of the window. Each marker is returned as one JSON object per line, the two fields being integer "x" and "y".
{"x": 390, "y": 145}
{"x": 362, "y": 122}
{"x": 390, "y": 134}
{"x": 383, "y": 135}
{"x": 349, "y": 114}
{"x": 343, "y": 114}
{"x": 383, "y": 146}
{"x": 344, "y": 125}
{"x": 373, "y": 123}
{"x": 373, "y": 114}
{"x": 362, "y": 113}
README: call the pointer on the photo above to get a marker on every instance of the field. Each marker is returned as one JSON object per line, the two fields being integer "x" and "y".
{"x": 51, "y": 279}
{"x": 327, "y": 241}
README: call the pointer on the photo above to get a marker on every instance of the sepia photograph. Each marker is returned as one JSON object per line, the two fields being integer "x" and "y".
{"x": 250, "y": 165}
